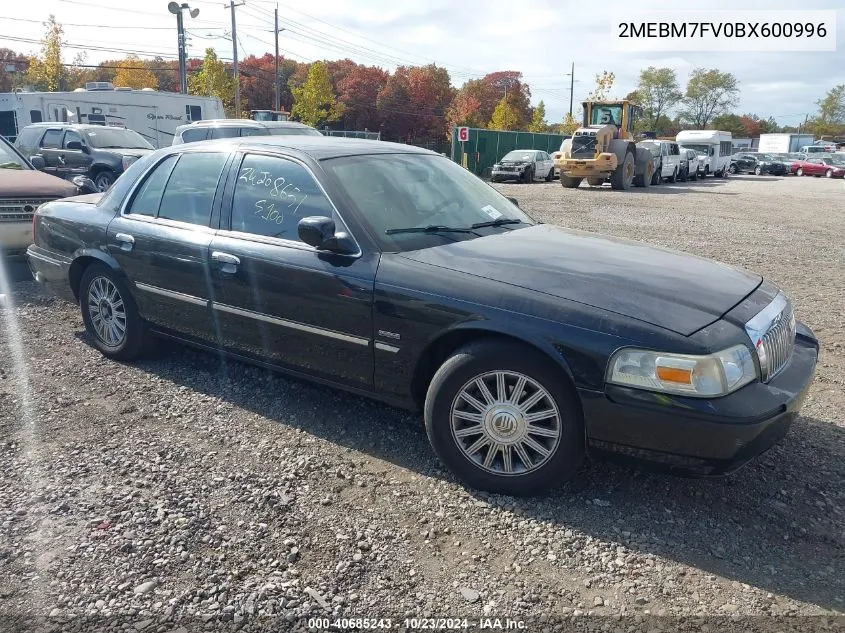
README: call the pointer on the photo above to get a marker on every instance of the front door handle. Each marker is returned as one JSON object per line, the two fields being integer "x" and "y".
{"x": 62, "y": 159}
{"x": 228, "y": 263}
{"x": 127, "y": 242}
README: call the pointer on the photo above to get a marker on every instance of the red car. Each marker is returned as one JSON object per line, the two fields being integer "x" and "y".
{"x": 820, "y": 166}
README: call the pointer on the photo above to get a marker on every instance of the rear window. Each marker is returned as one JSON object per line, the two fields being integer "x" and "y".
{"x": 225, "y": 132}
{"x": 196, "y": 134}
{"x": 52, "y": 139}
{"x": 27, "y": 141}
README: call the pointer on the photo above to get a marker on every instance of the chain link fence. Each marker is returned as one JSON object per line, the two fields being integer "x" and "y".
{"x": 365, "y": 134}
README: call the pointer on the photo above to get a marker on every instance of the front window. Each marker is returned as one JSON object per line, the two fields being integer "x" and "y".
{"x": 606, "y": 114}
{"x": 520, "y": 156}
{"x": 9, "y": 158}
{"x": 399, "y": 191}
{"x": 116, "y": 138}
{"x": 699, "y": 149}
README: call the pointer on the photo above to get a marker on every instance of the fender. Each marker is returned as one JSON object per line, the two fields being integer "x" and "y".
{"x": 82, "y": 258}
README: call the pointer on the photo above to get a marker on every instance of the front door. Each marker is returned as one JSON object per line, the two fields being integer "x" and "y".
{"x": 74, "y": 162}
{"x": 161, "y": 241}
{"x": 278, "y": 299}
{"x": 50, "y": 149}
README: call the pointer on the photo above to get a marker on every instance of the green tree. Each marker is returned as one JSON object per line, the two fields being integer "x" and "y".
{"x": 314, "y": 102}
{"x": 830, "y": 120}
{"x": 604, "y": 82}
{"x": 569, "y": 124}
{"x": 732, "y": 123}
{"x": 709, "y": 93}
{"x": 538, "y": 119}
{"x": 505, "y": 116}
{"x": 46, "y": 72}
{"x": 657, "y": 91}
{"x": 213, "y": 80}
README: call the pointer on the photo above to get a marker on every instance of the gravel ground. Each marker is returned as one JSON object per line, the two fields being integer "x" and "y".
{"x": 181, "y": 493}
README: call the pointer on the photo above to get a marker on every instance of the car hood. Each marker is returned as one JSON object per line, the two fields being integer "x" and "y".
{"x": 672, "y": 290}
{"x": 25, "y": 183}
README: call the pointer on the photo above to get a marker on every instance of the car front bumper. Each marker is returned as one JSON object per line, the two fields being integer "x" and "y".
{"x": 15, "y": 237}
{"x": 504, "y": 175}
{"x": 702, "y": 437}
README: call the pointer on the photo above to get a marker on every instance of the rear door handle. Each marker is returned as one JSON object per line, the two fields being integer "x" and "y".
{"x": 228, "y": 263}
{"x": 127, "y": 242}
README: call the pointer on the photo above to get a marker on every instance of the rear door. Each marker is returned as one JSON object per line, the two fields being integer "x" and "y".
{"x": 161, "y": 240}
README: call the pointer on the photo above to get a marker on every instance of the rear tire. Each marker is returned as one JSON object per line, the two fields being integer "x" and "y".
{"x": 110, "y": 314}
{"x": 527, "y": 458}
{"x": 551, "y": 175}
{"x": 828, "y": 173}
{"x": 104, "y": 179}
{"x": 569, "y": 182}
{"x": 799, "y": 172}
{"x": 733, "y": 169}
{"x": 758, "y": 171}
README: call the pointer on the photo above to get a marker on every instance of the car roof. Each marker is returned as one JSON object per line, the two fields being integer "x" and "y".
{"x": 317, "y": 147}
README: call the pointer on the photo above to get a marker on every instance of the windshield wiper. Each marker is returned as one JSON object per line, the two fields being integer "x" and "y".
{"x": 499, "y": 222}
{"x": 431, "y": 228}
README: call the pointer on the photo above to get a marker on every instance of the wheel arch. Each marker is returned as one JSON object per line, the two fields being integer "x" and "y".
{"x": 83, "y": 259}
{"x": 446, "y": 343}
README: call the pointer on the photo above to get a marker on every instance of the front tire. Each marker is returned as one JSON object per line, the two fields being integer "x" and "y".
{"x": 799, "y": 172}
{"x": 503, "y": 418}
{"x": 694, "y": 176}
{"x": 551, "y": 175}
{"x": 733, "y": 169}
{"x": 110, "y": 314}
{"x": 104, "y": 179}
{"x": 758, "y": 171}
{"x": 623, "y": 176}
{"x": 674, "y": 177}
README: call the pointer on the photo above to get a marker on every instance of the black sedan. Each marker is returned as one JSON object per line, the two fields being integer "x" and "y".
{"x": 758, "y": 164}
{"x": 392, "y": 272}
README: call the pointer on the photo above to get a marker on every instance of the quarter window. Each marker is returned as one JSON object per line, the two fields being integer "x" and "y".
{"x": 224, "y": 132}
{"x": 197, "y": 134}
{"x": 52, "y": 139}
{"x": 189, "y": 193}
{"x": 148, "y": 198}
{"x": 272, "y": 195}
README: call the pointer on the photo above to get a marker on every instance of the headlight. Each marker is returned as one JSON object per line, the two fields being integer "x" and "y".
{"x": 699, "y": 376}
{"x": 128, "y": 160}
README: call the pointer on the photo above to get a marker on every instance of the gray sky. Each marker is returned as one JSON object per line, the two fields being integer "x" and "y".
{"x": 469, "y": 38}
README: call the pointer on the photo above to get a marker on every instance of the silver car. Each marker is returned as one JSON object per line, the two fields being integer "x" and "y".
{"x": 231, "y": 128}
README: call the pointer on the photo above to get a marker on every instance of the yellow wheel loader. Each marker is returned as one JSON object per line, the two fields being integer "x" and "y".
{"x": 603, "y": 149}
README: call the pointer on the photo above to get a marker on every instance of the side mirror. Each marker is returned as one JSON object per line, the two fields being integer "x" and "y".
{"x": 85, "y": 185}
{"x": 76, "y": 145}
{"x": 319, "y": 231}
{"x": 38, "y": 162}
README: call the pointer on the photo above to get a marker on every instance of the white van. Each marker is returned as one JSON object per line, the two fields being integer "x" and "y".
{"x": 714, "y": 149}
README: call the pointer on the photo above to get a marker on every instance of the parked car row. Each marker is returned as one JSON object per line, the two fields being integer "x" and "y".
{"x": 800, "y": 164}
{"x": 675, "y": 163}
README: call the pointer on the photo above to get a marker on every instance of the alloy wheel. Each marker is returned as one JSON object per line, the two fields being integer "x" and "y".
{"x": 107, "y": 311}
{"x": 506, "y": 423}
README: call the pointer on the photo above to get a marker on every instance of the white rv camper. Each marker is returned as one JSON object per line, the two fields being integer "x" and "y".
{"x": 713, "y": 147}
{"x": 152, "y": 114}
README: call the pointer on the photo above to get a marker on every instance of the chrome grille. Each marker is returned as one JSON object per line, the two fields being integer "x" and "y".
{"x": 772, "y": 332}
{"x": 20, "y": 209}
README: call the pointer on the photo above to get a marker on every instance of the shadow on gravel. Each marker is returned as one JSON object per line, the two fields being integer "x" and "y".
{"x": 777, "y": 524}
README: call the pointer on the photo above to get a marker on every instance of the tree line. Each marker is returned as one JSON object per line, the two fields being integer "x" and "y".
{"x": 413, "y": 104}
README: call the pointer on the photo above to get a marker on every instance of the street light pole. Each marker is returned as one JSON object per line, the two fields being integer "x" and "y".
{"x": 176, "y": 9}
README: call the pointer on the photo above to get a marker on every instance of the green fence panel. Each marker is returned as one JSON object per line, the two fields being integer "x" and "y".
{"x": 484, "y": 147}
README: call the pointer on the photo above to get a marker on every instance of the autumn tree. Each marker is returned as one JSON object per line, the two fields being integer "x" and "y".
{"x": 17, "y": 64}
{"x": 431, "y": 94}
{"x": 132, "y": 73}
{"x": 314, "y": 102}
{"x": 212, "y": 80}
{"x": 46, "y": 72}
{"x": 463, "y": 111}
{"x": 569, "y": 124}
{"x": 657, "y": 92}
{"x": 358, "y": 90}
{"x": 505, "y": 116}
{"x": 604, "y": 82}
{"x": 538, "y": 119}
{"x": 166, "y": 73}
{"x": 257, "y": 75}
{"x": 393, "y": 109}
{"x": 709, "y": 93}
{"x": 489, "y": 90}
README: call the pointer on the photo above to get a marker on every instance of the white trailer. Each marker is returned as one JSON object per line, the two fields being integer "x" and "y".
{"x": 714, "y": 148}
{"x": 152, "y": 114}
{"x": 783, "y": 143}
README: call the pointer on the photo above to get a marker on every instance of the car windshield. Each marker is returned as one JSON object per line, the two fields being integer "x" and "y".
{"x": 699, "y": 149}
{"x": 298, "y": 131}
{"x": 393, "y": 192}
{"x": 116, "y": 138}
{"x": 837, "y": 160}
{"x": 9, "y": 159}
{"x": 520, "y": 156}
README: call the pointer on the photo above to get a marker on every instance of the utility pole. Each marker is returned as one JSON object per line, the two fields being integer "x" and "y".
{"x": 571, "y": 87}
{"x": 232, "y": 6}
{"x": 278, "y": 96}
